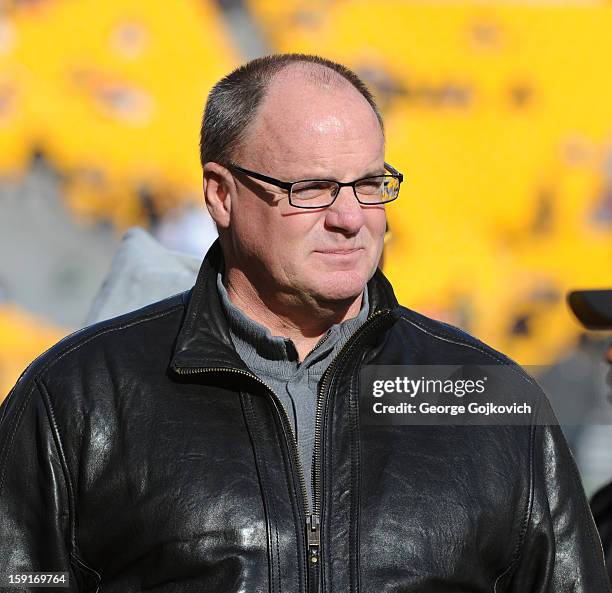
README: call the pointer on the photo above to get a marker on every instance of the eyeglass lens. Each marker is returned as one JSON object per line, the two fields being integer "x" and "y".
{"x": 372, "y": 190}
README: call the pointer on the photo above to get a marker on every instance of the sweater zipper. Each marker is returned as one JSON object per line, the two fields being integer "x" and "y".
{"x": 312, "y": 518}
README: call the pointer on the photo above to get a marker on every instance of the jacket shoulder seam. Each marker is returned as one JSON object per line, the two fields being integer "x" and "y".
{"x": 467, "y": 344}
{"x": 4, "y": 454}
{"x": 103, "y": 331}
{"x": 518, "y": 548}
{"x": 85, "y": 567}
{"x": 57, "y": 438}
{"x": 586, "y": 516}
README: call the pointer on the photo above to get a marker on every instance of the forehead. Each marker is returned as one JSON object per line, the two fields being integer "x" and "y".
{"x": 306, "y": 125}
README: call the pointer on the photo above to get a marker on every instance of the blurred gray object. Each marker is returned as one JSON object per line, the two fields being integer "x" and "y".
{"x": 575, "y": 385}
{"x": 142, "y": 272}
{"x": 51, "y": 265}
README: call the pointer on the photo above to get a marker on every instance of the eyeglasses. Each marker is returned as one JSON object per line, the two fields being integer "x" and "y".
{"x": 321, "y": 193}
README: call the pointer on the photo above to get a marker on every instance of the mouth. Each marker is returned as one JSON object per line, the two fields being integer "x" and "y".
{"x": 339, "y": 251}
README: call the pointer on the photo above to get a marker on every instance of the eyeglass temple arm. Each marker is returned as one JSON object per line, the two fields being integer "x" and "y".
{"x": 394, "y": 171}
{"x": 283, "y": 184}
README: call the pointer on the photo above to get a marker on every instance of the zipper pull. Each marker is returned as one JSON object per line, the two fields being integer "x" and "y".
{"x": 314, "y": 537}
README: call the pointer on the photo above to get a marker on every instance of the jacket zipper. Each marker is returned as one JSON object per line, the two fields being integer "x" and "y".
{"x": 315, "y": 548}
{"x": 312, "y": 519}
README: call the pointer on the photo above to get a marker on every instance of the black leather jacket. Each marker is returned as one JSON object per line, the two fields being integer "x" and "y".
{"x": 141, "y": 454}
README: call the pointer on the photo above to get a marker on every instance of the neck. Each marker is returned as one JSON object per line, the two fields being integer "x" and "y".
{"x": 303, "y": 322}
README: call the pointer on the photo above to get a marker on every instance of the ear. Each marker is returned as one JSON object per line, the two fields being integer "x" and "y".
{"x": 218, "y": 185}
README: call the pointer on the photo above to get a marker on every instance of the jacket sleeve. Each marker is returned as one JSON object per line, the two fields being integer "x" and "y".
{"x": 601, "y": 507}
{"x": 34, "y": 499}
{"x": 561, "y": 549}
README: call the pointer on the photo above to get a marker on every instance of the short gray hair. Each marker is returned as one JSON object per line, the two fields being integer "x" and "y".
{"x": 233, "y": 102}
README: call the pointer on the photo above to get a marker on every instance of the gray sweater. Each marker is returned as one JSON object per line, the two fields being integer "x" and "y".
{"x": 274, "y": 360}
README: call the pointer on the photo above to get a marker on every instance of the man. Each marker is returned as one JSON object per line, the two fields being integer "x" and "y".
{"x": 601, "y": 501}
{"x": 213, "y": 441}
{"x": 593, "y": 309}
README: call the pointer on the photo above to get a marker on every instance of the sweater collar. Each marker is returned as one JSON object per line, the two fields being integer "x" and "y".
{"x": 259, "y": 345}
{"x": 204, "y": 341}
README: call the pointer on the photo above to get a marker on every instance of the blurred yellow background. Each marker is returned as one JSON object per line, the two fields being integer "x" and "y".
{"x": 498, "y": 114}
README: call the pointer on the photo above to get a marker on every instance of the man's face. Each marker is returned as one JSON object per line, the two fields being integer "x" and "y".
{"x": 306, "y": 132}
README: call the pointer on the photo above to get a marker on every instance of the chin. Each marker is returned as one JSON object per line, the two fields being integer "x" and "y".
{"x": 341, "y": 286}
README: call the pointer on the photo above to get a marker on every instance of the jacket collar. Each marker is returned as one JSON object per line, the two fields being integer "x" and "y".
{"x": 204, "y": 340}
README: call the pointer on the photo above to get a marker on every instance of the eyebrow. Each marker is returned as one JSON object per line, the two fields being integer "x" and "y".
{"x": 375, "y": 173}
{"x": 372, "y": 173}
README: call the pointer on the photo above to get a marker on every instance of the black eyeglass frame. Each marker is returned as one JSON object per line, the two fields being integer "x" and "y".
{"x": 288, "y": 185}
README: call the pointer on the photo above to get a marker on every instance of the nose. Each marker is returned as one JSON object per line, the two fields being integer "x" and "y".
{"x": 345, "y": 214}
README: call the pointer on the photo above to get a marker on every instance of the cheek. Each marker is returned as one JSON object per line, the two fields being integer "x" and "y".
{"x": 301, "y": 230}
{"x": 283, "y": 242}
{"x": 253, "y": 230}
{"x": 376, "y": 223}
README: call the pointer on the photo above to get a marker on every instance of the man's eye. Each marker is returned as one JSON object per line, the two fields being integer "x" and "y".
{"x": 371, "y": 186}
{"x": 311, "y": 189}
